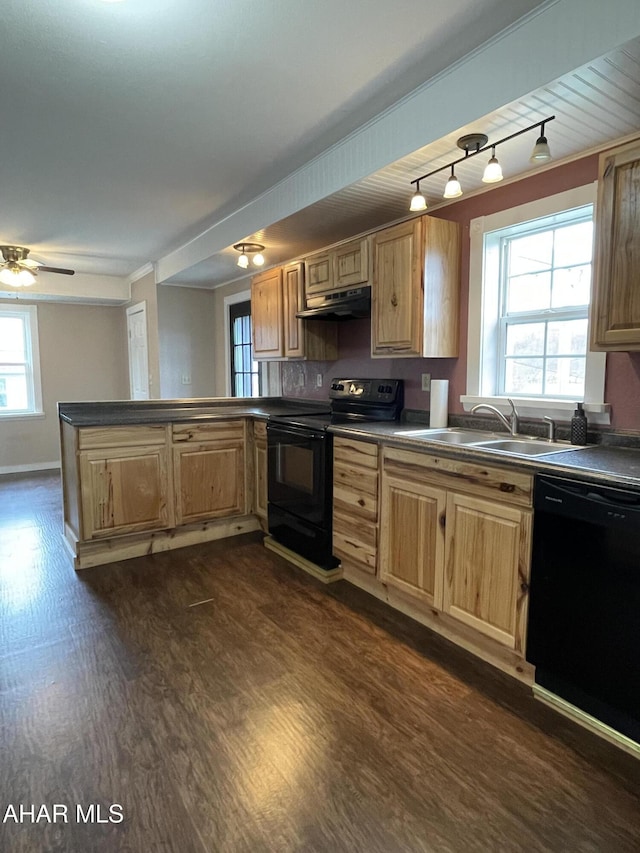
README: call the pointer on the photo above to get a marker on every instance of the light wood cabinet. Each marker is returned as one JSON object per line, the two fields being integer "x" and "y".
{"x": 209, "y": 470}
{"x": 344, "y": 266}
{"x": 260, "y": 485}
{"x": 355, "y": 503}
{"x": 415, "y": 295}
{"x": 457, "y": 537}
{"x": 615, "y": 308}
{"x": 123, "y": 480}
{"x": 266, "y": 315}
{"x": 276, "y": 296}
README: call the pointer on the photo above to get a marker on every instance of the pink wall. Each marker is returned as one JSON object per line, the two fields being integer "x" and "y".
{"x": 622, "y": 388}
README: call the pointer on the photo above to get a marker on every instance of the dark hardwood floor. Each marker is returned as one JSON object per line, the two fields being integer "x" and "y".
{"x": 277, "y": 715}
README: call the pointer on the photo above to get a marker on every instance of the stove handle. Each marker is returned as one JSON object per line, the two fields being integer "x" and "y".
{"x": 276, "y": 430}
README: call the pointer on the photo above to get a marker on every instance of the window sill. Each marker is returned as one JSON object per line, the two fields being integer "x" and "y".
{"x": 531, "y": 407}
{"x": 20, "y": 416}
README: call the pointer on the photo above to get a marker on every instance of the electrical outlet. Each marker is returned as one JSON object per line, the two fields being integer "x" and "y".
{"x": 318, "y": 380}
{"x": 186, "y": 379}
{"x": 426, "y": 382}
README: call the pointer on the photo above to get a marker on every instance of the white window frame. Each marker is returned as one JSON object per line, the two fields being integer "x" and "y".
{"x": 483, "y": 303}
{"x": 270, "y": 380}
{"x": 29, "y": 315}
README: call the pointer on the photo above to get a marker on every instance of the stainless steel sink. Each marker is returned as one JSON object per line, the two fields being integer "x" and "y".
{"x": 450, "y": 436}
{"x": 526, "y": 446}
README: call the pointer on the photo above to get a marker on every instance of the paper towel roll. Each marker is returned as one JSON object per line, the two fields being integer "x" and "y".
{"x": 439, "y": 406}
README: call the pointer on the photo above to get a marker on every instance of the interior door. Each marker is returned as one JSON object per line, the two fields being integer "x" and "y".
{"x": 138, "y": 351}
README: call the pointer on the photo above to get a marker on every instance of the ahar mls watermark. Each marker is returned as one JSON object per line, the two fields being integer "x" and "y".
{"x": 63, "y": 813}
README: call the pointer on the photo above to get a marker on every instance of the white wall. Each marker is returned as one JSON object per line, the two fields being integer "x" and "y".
{"x": 83, "y": 356}
{"x": 187, "y": 341}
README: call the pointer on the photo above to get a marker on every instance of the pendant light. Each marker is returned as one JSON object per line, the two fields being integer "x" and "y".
{"x": 16, "y": 276}
{"x": 493, "y": 169}
{"x": 452, "y": 188}
{"x": 541, "y": 152}
{"x": 418, "y": 201}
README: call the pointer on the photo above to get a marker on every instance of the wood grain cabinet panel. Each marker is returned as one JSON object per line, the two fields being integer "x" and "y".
{"x": 267, "y": 315}
{"x": 351, "y": 264}
{"x": 124, "y": 490}
{"x": 615, "y": 311}
{"x": 412, "y": 538}
{"x": 487, "y": 567}
{"x": 209, "y": 481}
{"x": 457, "y": 536}
{"x": 416, "y": 285}
{"x": 355, "y": 504}
{"x": 260, "y": 485}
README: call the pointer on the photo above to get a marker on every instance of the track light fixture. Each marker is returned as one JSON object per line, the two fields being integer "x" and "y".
{"x": 246, "y": 249}
{"x": 475, "y": 143}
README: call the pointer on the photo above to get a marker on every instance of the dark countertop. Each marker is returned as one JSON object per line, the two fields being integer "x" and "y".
{"x": 606, "y": 465}
{"x": 126, "y": 412}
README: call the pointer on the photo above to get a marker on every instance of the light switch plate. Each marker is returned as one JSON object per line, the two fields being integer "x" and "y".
{"x": 426, "y": 382}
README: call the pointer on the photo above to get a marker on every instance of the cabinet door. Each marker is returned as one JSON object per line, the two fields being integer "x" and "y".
{"x": 412, "y": 538}
{"x": 318, "y": 273}
{"x": 487, "y": 567}
{"x": 615, "y": 321}
{"x": 267, "y": 315}
{"x": 351, "y": 264}
{"x": 124, "y": 490}
{"x": 293, "y": 284}
{"x": 209, "y": 480}
{"x": 396, "y": 324}
{"x": 260, "y": 459}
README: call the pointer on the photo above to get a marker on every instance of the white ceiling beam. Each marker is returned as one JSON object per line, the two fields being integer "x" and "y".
{"x": 549, "y": 42}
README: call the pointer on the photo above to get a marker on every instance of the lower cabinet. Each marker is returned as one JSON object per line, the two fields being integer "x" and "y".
{"x": 355, "y": 504}
{"x": 209, "y": 471}
{"x": 457, "y": 537}
{"x": 260, "y": 482}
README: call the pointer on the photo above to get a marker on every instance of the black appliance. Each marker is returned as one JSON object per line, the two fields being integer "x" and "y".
{"x": 300, "y": 463}
{"x": 338, "y": 305}
{"x": 584, "y": 609}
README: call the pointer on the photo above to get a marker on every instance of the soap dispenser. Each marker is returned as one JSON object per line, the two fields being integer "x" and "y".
{"x": 579, "y": 425}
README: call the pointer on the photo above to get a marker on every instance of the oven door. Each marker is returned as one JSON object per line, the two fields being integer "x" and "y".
{"x": 298, "y": 478}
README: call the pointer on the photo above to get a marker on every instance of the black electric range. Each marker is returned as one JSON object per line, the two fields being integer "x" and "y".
{"x": 300, "y": 463}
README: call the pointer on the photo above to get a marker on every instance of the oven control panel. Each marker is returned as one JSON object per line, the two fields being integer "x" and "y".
{"x": 365, "y": 390}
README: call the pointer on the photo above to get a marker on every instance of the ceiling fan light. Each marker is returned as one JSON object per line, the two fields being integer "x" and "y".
{"x": 541, "y": 152}
{"x": 8, "y": 276}
{"x": 492, "y": 171}
{"x": 25, "y": 278}
{"x": 243, "y": 261}
{"x": 258, "y": 259}
{"x": 453, "y": 188}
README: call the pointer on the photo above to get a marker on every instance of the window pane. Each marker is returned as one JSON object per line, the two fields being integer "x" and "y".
{"x": 529, "y": 292}
{"x": 573, "y": 244}
{"x": 567, "y": 337}
{"x": 523, "y": 375}
{"x": 12, "y": 340}
{"x": 13, "y": 389}
{"x": 246, "y": 358}
{"x": 530, "y": 254}
{"x": 571, "y": 286}
{"x": 237, "y": 358}
{"x": 565, "y": 377}
{"x": 237, "y": 330}
{"x": 525, "y": 339}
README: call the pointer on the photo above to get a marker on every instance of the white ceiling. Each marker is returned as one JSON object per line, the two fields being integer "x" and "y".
{"x": 130, "y": 129}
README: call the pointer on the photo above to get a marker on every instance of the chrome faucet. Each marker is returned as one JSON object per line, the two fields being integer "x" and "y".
{"x": 512, "y": 425}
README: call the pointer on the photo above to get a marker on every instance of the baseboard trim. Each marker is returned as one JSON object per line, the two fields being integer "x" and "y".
{"x": 586, "y": 720}
{"x": 324, "y": 575}
{"x": 26, "y": 469}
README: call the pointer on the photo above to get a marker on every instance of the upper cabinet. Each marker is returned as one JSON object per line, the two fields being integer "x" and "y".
{"x": 347, "y": 265}
{"x": 615, "y": 317}
{"x": 416, "y": 285}
{"x": 276, "y": 296}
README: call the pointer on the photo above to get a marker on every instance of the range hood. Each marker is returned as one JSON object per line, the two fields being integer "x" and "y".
{"x": 344, "y": 305}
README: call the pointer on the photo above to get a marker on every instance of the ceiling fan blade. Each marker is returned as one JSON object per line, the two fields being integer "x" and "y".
{"x": 56, "y": 269}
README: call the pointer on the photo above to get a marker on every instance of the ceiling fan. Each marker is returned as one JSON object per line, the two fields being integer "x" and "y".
{"x": 18, "y": 271}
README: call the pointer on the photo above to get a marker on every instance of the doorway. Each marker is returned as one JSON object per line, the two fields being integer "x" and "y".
{"x": 138, "y": 351}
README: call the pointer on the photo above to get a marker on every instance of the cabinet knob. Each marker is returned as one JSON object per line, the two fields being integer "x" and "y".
{"x": 394, "y": 300}
{"x": 442, "y": 521}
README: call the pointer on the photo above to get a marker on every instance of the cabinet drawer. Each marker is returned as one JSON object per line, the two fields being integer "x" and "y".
{"x": 354, "y": 503}
{"x": 498, "y": 483}
{"x": 356, "y": 542}
{"x": 354, "y": 479}
{"x": 260, "y": 430}
{"x": 121, "y": 436}
{"x": 355, "y": 452}
{"x": 210, "y": 431}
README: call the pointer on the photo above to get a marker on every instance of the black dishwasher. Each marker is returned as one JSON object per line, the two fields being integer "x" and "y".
{"x": 584, "y": 609}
